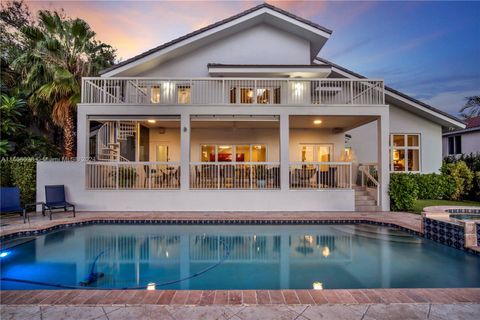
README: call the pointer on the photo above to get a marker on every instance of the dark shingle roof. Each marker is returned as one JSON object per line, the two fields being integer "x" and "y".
{"x": 403, "y": 95}
{"x": 214, "y": 25}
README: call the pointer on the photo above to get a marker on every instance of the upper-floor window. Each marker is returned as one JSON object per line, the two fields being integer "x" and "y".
{"x": 455, "y": 145}
{"x": 183, "y": 93}
{"x": 264, "y": 95}
{"x": 405, "y": 152}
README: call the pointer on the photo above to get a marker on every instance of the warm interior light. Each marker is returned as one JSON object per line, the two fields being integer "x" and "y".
{"x": 317, "y": 286}
{"x": 325, "y": 251}
{"x": 317, "y": 121}
{"x": 396, "y": 155}
{"x": 151, "y": 121}
{"x": 151, "y": 286}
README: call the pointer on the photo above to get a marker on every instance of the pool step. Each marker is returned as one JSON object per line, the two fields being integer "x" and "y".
{"x": 378, "y": 233}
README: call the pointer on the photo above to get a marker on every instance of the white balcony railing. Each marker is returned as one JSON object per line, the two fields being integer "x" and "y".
{"x": 232, "y": 91}
{"x": 321, "y": 175}
{"x": 228, "y": 175}
{"x": 132, "y": 175}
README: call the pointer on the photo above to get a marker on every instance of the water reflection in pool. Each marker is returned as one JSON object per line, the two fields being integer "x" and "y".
{"x": 252, "y": 257}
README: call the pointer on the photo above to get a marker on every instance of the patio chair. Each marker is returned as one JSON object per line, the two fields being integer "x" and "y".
{"x": 10, "y": 202}
{"x": 327, "y": 178}
{"x": 300, "y": 178}
{"x": 55, "y": 199}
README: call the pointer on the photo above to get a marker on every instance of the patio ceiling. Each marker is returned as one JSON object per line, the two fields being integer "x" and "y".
{"x": 329, "y": 122}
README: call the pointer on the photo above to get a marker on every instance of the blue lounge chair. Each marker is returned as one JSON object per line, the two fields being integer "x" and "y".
{"x": 55, "y": 199}
{"x": 10, "y": 202}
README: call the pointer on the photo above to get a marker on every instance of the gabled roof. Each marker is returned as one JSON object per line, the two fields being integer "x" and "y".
{"x": 444, "y": 118}
{"x": 218, "y": 24}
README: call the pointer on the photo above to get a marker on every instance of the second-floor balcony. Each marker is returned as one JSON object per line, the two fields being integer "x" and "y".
{"x": 232, "y": 91}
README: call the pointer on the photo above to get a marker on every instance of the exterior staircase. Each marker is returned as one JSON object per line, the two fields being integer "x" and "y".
{"x": 363, "y": 200}
{"x": 108, "y": 139}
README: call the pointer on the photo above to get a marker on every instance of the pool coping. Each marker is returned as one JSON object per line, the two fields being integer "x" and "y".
{"x": 238, "y": 297}
{"x": 28, "y": 230}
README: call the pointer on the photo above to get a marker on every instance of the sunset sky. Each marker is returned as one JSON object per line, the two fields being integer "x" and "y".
{"x": 430, "y": 50}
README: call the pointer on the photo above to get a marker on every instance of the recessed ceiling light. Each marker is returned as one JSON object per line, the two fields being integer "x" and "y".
{"x": 151, "y": 121}
{"x": 317, "y": 121}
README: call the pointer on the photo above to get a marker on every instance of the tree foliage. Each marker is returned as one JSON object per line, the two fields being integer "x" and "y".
{"x": 471, "y": 108}
{"x": 44, "y": 60}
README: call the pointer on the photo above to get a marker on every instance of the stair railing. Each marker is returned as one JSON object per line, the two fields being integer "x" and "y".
{"x": 368, "y": 170}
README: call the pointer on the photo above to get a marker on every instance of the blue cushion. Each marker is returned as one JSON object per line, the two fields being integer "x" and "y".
{"x": 54, "y": 194}
{"x": 10, "y": 199}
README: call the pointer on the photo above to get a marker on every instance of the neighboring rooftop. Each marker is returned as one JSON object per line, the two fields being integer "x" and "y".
{"x": 472, "y": 125}
{"x": 473, "y": 122}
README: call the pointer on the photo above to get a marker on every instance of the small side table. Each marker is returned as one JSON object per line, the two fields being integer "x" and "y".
{"x": 25, "y": 212}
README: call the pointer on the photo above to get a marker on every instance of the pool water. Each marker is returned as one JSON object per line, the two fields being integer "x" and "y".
{"x": 466, "y": 216}
{"x": 239, "y": 257}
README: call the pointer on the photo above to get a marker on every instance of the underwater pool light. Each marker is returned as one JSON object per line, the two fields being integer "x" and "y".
{"x": 317, "y": 285}
{"x": 151, "y": 286}
{"x": 4, "y": 254}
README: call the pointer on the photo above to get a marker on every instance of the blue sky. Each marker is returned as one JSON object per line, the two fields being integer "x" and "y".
{"x": 429, "y": 50}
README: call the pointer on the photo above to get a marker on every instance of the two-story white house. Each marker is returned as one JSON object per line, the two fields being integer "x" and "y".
{"x": 243, "y": 115}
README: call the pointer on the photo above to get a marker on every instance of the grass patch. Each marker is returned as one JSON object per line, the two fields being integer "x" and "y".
{"x": 420, "y": 204}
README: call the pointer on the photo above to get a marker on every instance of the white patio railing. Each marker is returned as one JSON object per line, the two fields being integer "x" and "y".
{"x": 132, "y": 175}
{"x": 229, "y": 91}
{"x": 321, "y": 175}
{"x": 228, "y": 175}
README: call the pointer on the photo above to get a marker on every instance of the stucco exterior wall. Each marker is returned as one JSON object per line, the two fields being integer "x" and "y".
{"x": 401, "y": 121}
{"x": 72, "y": 175}
{"x": 261, "y": 44}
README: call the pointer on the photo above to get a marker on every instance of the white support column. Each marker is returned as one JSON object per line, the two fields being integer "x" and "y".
{"x": 184, "y": 151}
{"x": 284, "y": 151}
{"x": 383, "y": 134}
{"x": 82, "y": 134}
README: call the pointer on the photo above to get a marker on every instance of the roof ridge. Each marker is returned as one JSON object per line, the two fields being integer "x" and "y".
{"x": 214, "y": 25}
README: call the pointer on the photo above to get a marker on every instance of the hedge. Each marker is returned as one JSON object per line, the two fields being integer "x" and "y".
{"x": 454, "y": 183}
{"x": 403, "y": 191}
{"x": 20, "y": 172}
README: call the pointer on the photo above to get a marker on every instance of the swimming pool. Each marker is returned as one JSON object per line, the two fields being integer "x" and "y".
{"x": 238, "y": 257}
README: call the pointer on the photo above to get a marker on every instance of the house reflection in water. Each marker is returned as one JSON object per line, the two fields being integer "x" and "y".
{"x": 136, "y": 258}
{"x": 252, "y": 257}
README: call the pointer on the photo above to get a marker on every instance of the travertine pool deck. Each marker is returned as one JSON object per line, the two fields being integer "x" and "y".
{"x": 263, "y": 304}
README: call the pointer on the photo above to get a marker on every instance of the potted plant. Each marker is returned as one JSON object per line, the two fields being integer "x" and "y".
{"x": 126, "y": 177}
{"x": 261, "y": 176}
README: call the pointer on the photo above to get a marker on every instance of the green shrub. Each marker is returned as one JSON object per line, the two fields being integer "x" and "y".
{"x": 20, "y": 172}
{"x": 403, "y": 191}
{"x": 434, "y": 186}
{"x": 473, "y": 163}
{"x": 461, "y": 176}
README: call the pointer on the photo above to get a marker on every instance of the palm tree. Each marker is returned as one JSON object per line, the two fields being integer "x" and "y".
{"x": 472, "y": 105}
{"x": 61, "y": 52}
